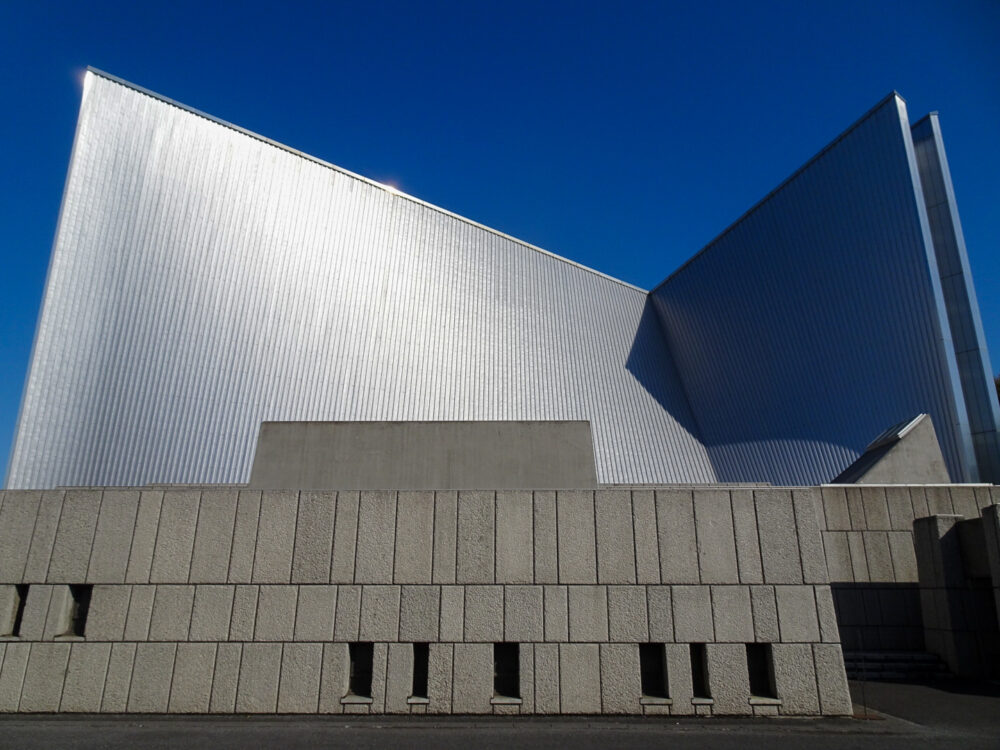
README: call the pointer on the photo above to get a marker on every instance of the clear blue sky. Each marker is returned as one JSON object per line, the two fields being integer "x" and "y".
{"x": 622, "y": 135}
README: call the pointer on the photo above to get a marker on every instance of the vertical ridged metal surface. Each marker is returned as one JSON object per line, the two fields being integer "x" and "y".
{"x": 814, "y": 322}
{"x": 204, "y": 280}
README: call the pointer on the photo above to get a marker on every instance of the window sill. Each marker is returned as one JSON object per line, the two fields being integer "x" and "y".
{"x": 352, "y": 700}
{"x": 648, "y": 700}
{"x": 416, "y": 700}
{"x": 504, "y": 700}
{"x": 702, "y": 701}
{"x": 759, "y": 701}
{"x": 69, "y": 637}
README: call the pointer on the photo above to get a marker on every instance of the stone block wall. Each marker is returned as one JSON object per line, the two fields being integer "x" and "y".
{"x": 224, "y": 600}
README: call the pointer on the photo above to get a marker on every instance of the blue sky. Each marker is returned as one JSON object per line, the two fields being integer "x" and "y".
{"x": 622, "y": 135}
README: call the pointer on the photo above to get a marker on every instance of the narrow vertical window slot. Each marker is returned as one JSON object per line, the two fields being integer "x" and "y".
{"x": 699, "y": 671}
{"x": 79, "y": 608}
{"x": 421, "y": 657}
{"x": 361, "y": 655}
{"x": 760, "y": 667}
{"x": 13, "y": 627}
{"x": 506, "y": 671}
{"x": 653, "y": 670}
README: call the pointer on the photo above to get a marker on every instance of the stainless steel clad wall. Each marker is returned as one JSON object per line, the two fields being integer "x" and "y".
{"x": 204, "y": 280}
{"x": 815, "y": 321}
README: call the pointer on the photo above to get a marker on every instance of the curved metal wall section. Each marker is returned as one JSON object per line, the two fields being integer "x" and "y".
{"x": 814, "y": 322}
{"x": 204, "y": 280}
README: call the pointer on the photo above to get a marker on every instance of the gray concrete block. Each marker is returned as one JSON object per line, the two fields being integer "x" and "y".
{"x": 732, "y": 614}
{"x": 556, "y": 611}
{"x": 765, "y": 614}
{"x": 902, "y": 556}
{"x": 314, "y": 616}
{"x": 419, "y": 613}
{"x": 380, "y": 664}
{"x": 345, "y": 537}
{"x": 376, "y": 537}
{"x": 546, "y": 678}
{"x": 119, "y": 678}
{"x": 484, "y": 613}
{"x": 272, "y": 562}
{"x": 576, "y": 536}
{"x": 440, "y": 660}
{"x": 399, "y": 678}
{"x": 113, "y": 537}
{"x": 59, "y": 617}
{"x": 661, "y": 614}
{"x": 476, "y": 516}
{"x": 859, "y": 560}
{"x": 260, "y": 669}
{"x": 140, "y": 610}
{"x": 856, "y": 509}
{"x": 85, "y": 675}
{"x": 17, "y": 520}
{"x": 963, "y": 500}
{"x": 445, "y": 536}
{"x": 44, "y": 536}
{"x": 313, "y": 547}
{"x": 778, "y": 536}
{"x": 838, "y": 557}
{"x": 579, "y": 678}
{"x": 348, "y": 616}
{"x": 226, "y": 678}
{"x": 9, "y": 602}
{"x": 414, "y": 537}
{"x": 729, "y": 681}
{"x": 939, "y": 501}
{"x": 175, "y": 537}
{"x": 797, "y": 613}
{"x": 108, "y": 610}
{"x": 147, "y": 521}
{"x": 627, "y": 613}
{"x": 745, "y": 533}
{"x": 807, "y": 505}
{"x": 298, "y": 691}
{"x": 191, "y": 689}
{"x": 615, "y": 539}
{"x": 213, "y": 538}
{"x": 621, "y": 687}
{"x": 212, "y": 613}
{"x": 693, "y": 614}
{"x": 473, "y": 675}
{"x": 244, "y": 536}
{"x": 835, "y": 514}
{"x": 647, "y": 548}
{"x": 827, "y": 613}
{"x": 43, "y": 678}
{"x": 834, "y": 695}
{"x": 514, "y": 537}
{"x": 918, "y": 497}
{"x": 983, "y": 497}
{"x": 545, "y": 542}
{"x": 171, "y": 618}
{"x": 379, "y": 613}
{"x": 876, "y": 509}
{"x": 74, "y": 537}
{"x": 676, "y": 536}
{"x": 716, "y": 540}
{"x": 334, "y": 677}
{"x": 276, "y": 613}
{"x": 900, "y": 508}
{"x": 876, "y": 546}
{"x": 795, "y": 678}
{"x": 522, "y": 613}
{"x": 526, "y": 666}
{"x": 244, "y": 618}
{"x": 152, "y": 673}
{"x": 12, "y": 669}
{"x": 588, "y": 613}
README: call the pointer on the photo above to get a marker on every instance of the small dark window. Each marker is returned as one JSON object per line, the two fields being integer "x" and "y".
{"x": 506, "y": 670}
{"x": 653, "y": 670}
{"x": 421, "y": 655}
{"x": 760, "y": 666}
{"x": 699, "y": 671}
{"x": 79, "y": 609}
{"x": 13, "y": 628}
{"x": 362, "y": 655}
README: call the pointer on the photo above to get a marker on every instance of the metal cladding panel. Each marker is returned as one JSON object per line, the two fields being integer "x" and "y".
{"x": 813, "y": 322}
{"x": 204, "y": 280}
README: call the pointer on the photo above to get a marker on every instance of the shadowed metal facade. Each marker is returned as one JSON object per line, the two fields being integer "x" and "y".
{"x": 204, "y": 279}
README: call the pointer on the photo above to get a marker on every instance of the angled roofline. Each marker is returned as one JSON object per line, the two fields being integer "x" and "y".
{"x": 882, "y": 102}
{"x": 348, "y": 173}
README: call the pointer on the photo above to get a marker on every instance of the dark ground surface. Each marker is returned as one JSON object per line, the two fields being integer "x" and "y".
{"x": 949, "y": 714}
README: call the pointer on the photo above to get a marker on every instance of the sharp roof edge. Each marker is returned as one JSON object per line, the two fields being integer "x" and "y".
{"x": 334, "y": 167}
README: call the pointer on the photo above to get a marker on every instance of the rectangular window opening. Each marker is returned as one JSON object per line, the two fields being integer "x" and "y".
{"x": 79, "y": 609}
{"x": 653, "y": 670}
{"x": 506, "y": 670}
{"x": 13, "y": 628}
{"x": 760, "y": 666}
{"x": 421, "y": 657}
{"x": 699, "y": 671}
{"x": 362, "y": 655}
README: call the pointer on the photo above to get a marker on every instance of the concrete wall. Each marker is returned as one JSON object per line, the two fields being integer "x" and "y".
{"x": 244, "y": 601}
{"x": 423, "y": 455}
